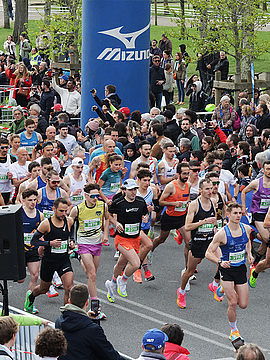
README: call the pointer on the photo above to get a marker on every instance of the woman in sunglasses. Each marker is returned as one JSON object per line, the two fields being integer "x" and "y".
{"x": 194, "y": 179}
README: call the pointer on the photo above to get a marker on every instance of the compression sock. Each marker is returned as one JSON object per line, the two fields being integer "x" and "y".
{"x": 182, "y": 291}
{"x": 145, "y": 267}
{"x": 215, "y": 283}
{"x": 258, "y": 258}
{"x": 124, "y": 277}
{"x": 114, "y": 280}
{"x": 32, "y": 297}
{"x": 233, "y": 326}
{"x": 254, "y": 274}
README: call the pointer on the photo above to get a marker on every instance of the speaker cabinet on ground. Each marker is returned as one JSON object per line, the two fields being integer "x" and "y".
{"x": 12, "y": 258}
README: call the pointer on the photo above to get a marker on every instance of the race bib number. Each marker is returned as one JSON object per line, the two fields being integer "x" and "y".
{"x": 265, "y": 203}
{"x": 47, "y": 213}
{"x": 3, "y": 177}
{"x": 115, "y": 187}
{"x": 206, "y": 228}
{"x": 77, "y": 198}
{"x": 237, "y": 257}
{"x": 92, "y": 224}
{"x": 219, "y": 224}
{"x": 62, "y": 249}
{"x": 27, "y": 238}
{"x": 181, "y": 208}
{"x": 132, "y": 229}
{"x": 29, "y": 149}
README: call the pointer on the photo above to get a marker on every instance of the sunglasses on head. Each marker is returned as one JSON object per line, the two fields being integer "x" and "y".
{"x": 196, "y": 170}
{"x": 215, "y": 183}
{"x": 4, "y": 147}
{"x": 55, "y": 182}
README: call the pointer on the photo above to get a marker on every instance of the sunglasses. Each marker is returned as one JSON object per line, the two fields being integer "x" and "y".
{"x": 4, "y": 147}
{"x": 195, "y": 170}
{"x": 215, "y": 183}
{"x": 94, "y": 196}
{"x": 156, "y": 61}
{"x": 55, "y": 182}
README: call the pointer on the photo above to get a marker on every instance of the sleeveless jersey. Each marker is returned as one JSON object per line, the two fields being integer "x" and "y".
{"x": 29, "y": 144}
{"x": 152, "y": 167}
{"x": 46, "y": 205}
{"x": 235, "y": 248}
{"x": 41, "y": 183}
{"x": 74, "y": 185}
{"x": 90, "y": 223}
{"x": 180, "y": 195}
{"x": 205, "y": 231}
{"x": 194, "y": 191}
{"x": 261, "y": 199}
{"x": 5, "y": 183}
{"x": 52, "y": 253}
{"x": 169, "y": 171}
{"x": 148, "y": 198}
{"x": 219, "y": 210}
{"x": 102, "y": 167}
{"x": 29, "y": 227}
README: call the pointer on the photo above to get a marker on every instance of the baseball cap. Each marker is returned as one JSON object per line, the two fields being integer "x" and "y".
{"x": 77, "y": 161}
{"x": 64, "y": 77}
{"x": 58, "y": 107}
{"x": 93, "y": 125}
{"x": 125, "y": 110}
{"x": 167, "y": 113}
{"x": 154, "y": 338}
{"x": 130, "y": 184}
{"x": 62, "y": 125}
{"x": 160, "y": 118}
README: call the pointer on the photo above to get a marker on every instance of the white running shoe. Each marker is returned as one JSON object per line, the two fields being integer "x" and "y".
{"x": 57, "y": 280}
{"x": 187, "y": 288}
{"x": 121, "y": 287}
{"x": 117, "y": 254}
{"x": 52, "y": 292}
{"x": 111, "y": 287}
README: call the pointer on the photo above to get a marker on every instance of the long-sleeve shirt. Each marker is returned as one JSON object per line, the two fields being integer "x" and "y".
{"x": 71, "y": 100}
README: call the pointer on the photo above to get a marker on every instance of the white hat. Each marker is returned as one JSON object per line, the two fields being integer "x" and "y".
{"x": 77, "y": 161}
{"x": 130, "y": 184}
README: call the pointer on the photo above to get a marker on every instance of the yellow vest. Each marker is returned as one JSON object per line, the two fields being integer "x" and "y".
{"x": 90, "y": 223}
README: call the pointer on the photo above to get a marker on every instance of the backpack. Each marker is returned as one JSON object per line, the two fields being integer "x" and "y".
{"x": 237, "y": 122}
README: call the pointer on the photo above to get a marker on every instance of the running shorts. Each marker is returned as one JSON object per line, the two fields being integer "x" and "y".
{"x": 172, "y": 222}
{"x": 31, "y": 256}
{"x": 48, "y": 268}
{"x": 237, "y": 274}
{"x": 198, "y": 248}
{"x": 128, "y": 243}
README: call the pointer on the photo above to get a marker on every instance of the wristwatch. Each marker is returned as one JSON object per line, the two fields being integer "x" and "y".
{"x": 219, "y": 261}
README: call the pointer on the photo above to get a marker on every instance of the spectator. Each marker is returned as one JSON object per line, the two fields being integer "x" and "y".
{"x": 157, "y": 133}
{"x": 70, "y": 98}
{"x": 247, "y": 119}
{"x": 242, "y": 95}
{"x": 157, "y": 79}
{"x": 126, "y": 112}
{"x": 8, "y": 331}
{"x": 19, "y": 120}
{"x": 154, "y": 111}
{"x": 221, "y": 65}
{"x": 118, "y": 116}
{"x": 43, "y": 69}
{"x": 35, "y": 110}
{"x": 51, "y": 343}
{"x": 43, "y": 44}
{"x": 250, "y": 352}
{"x": 185, "y": 150}
{"x": 169, "y": 83}
{"x": 243, "y": 177}
{"x": 171, "y": 129}
{"x": 165, "y": 43}
{"x": 201, "y": 67}
{"x": 207, "y": 144}
{"x": 262, "y": 120}
{"x": 110, "y": 93}
{"x": 86, "y": 339}
{"x": 35, "y": 58}
{"x": 46, "y": 99}
{"x": 173, "y": 346}
{"x": 63, "y": 81}
{"x": 257, "y": 166}
{"x": 35, "y": 76}
{"x": 197, "y": 98}
{"x": 166, "y": 59}
{"x": 224, "y": 114}
{"x": 186, "y": 133}
{"x": 10, "y": 47}
{"x": 153, "y": 344}
{"x": 154, "y": 50}
{"x": 243, "y": 156}
{"x": 93, "y": 130}
{"x": 250, "y": 133}
{"x": 180, "y": 71}
{"x": 25, "y": 47}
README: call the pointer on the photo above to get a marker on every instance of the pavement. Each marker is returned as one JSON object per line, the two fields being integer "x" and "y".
{"x": 153, "y": 304}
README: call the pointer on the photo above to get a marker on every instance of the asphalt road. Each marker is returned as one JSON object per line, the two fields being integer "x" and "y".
{"x": 153, "y": 304}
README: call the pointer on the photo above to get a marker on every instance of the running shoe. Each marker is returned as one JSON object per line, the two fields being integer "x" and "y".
{"x": 150, "y": 257}
{"x": 35, "y": 310}
{"x": 149, "y": 276}
{"x": 213, "y": 288}
{"x": 178, "y": 238}
{"x": 111, "y": 287}
{"x": 106, "y": 243}
{"x": 137, "y": 276}
{"x": 151, "y": 234}
{"x": 28, "y": 305}
{"x": 112, "y": 232}
{"x": 251, "y": 268}
{"x": 187, "y": 288}
{"x": 196, "y": 271}
{"x": 220, "y": 291}
{"x": 117, "y": 254}
{"x": 57, "y": 281}
{"x": 252, "y": 280}
{"x": 174, "y": 233}
{"x": 121, "y": 287}
{"x": 235, "y": 335}
{"x": 177, "y": 103}
{"x": 101, "y": 316}
{"x": 74, "y": 254}
{"x": 181, "y": 302}
{"x": 52, "y": 292}
{"x": 192, "y": 278}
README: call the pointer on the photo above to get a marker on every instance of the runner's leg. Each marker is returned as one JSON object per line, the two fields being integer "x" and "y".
{"x": 33, "y": 268}
{"x": 91, "y": 264}
{"x": 160, "y": 239}
{"x": 67, "y": 280}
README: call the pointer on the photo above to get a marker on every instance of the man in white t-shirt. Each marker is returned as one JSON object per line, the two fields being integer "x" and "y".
{"x": 47, "y": 151}
{"x": 69, "y": 141}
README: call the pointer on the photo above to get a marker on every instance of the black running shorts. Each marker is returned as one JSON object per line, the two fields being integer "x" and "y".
{"x": 172, "y": 222}
{"x": 237, "y": 274}
{"x": 48, "y": 268}
{"x": 258, "y": 217}
{"x": 31, "y": 256}
{"x": 198, "y": 248}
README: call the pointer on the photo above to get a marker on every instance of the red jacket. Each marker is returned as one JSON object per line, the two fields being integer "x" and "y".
{"x": 173, "y": 349}
{"x": 27, "y": 82}
{"x": 221, "y": 135}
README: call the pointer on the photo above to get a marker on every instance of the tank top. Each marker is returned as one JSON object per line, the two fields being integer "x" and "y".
{"x": 102, "y": 167}
{"x": 74, "y": 185}
{"x": 29, "y": 227}
{"x": 5, "y": 183}
{"x": 46, "y": 205}
{"x": 29, "y": 144}
{"x": 261, "y": 199}
{"x": 90, "y": 223}
{"x": 148, "y": 198}
{"x": 194, "y": 191}
{"x": 151, "y": 164}
{"x": 219, "y": 209}
{"x": 205, "y": 231}
{"x": 235, "y": 248}
{"x": 169, "y": 171}
{"x": 52, "y": 253}
{"x": 180, "y": 195}
{"x": 41, "y": 183}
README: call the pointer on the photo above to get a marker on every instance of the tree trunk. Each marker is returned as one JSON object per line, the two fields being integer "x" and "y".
{"x": 21, "y": 18}
{"x": 6, "y": 15}
{"x": 47, "y": 12}
{"x": 166, "y": 3}
{"x": 203, "y": 24}
{"x": 182, "y": 4}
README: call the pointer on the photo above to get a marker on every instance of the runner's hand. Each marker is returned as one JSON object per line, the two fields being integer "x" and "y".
{"x": 225, "y": 264}
{"x": 10, "y": 176}
{"x": 178, "y": 203}
{"x": 71, "y": 245}
{"x": 211, "y": 220}
{"x": 77, "y": 192}
{"x": 145, "y": 219}
{"x": 250, "y": 259}
{"x": 119, "y": 227}
{"x": 244, "y": 211}
{"x": 56, "y": 243}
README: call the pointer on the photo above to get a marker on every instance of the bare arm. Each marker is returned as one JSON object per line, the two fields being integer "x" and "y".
{"x": 19, "y": 196}
{"x": 266, "y": 223}
{"x": 95, "y": 163}
{"x": 192, "y": 209}
{"x": 65, "y": 196}
{"x": 133, "y": 170}
{"x": 236, "y": 189}
{"x": 252, "y": 186}
{"x": 74, "y": 213}
{"x": 212, "y": 248}
{"x": 106, "y": 222}
{"x": 65, "y": 187}
{"x": 2, "y": 202}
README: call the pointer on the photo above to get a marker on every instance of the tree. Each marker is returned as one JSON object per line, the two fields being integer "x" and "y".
{"x": 21, "y": 18}
{"x": 230, "y": 26}
{"x": 6, "y": 15}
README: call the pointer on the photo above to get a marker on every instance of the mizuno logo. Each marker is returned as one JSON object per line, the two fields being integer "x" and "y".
{"x": 129, "y": 44}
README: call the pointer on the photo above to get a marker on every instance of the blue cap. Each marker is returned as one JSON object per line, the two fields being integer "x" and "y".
{"x": 154, "y": 339}
{"x": 64, "y": 77}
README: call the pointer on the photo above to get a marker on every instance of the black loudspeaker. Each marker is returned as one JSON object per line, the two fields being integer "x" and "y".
{"x": 12, "y": 258}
